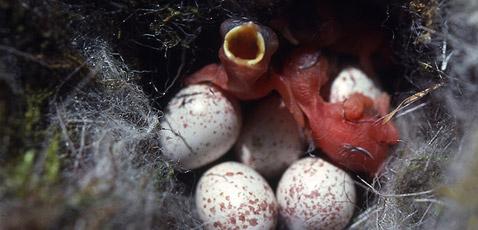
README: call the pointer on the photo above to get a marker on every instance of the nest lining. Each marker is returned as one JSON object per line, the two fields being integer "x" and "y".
{"x": 85, "y": 94}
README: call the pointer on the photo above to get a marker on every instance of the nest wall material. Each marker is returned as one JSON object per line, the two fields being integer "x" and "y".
{"x": 82, "y": 86}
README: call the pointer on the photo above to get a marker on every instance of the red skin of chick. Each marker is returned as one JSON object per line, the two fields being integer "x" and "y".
{"x": 350, "y": 133}
{"x": 245, "y": 82}
{"x": 216, "y": 74}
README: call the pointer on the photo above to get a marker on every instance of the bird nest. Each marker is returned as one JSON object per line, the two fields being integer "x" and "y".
{"x": 83, "y": 85}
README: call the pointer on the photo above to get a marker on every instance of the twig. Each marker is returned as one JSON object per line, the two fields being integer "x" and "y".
{"x": 425, "y": 214}
{"x": 408, "y": 101}
{"x": 428, "y": 200}
{"x": 178, "y": 72}
{"x": 24, "y": 55}
{"x": 64, "y": 130}
{"x": 364, "y": 216}
{"x": 395, "y": 195}
{"x": 411, "y": 110}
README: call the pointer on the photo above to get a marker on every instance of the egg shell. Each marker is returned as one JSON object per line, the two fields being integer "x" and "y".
{"x": 314, "y": 194}
{"x": 270, "y": 139}
{"x": 352, "y": 80}
{"x": 200, "y": 125}
{"x": 232, "y": 195}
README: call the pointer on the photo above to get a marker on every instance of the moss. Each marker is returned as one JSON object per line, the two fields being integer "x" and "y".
{"x": 31, "y": 169}
{"x": 427, "y": 11}
{"x": 421, "y": 172}
{"x": 419, "y": 175}
{"x": 17, "y": 179}
{"x": 25, "y": 177}
{"x": 35, "y": 101}
{"x": 23, "y": 122}
{"x": 163, "y": 176}
{"x": 52, "y": 163}
{"x": 34, "y": 59}
{"x": 176, "y": 25}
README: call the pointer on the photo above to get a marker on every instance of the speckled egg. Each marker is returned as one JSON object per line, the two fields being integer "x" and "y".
{"x": 352, "y": 80}
{"x": 314, "y": 194}
{"x": 232, "y": 195}
{"x": 199, "y": 126}
{"x": 270, "y": 139}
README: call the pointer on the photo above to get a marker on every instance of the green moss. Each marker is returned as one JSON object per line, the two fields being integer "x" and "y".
{"x": 24, "y": 126}
{"x": 35, "y": 101}
{"x": 176, "y": 25}
{"x": 427, "y": 10}
{"x": 22, "y": 179}
{"x": 421, "y": 173}
{"x": 163, "y": 176}
{"x": 19, "y": 177}
{"x": 52, "y": 162}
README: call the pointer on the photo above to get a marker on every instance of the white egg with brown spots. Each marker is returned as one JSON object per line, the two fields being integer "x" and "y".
{"x": 270, "y": 139}
{"x": 199, "y": 126}
{"x": 231, "y": 195}
{"x": 314, "y": 194}
{"x": 352, "y": 80}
